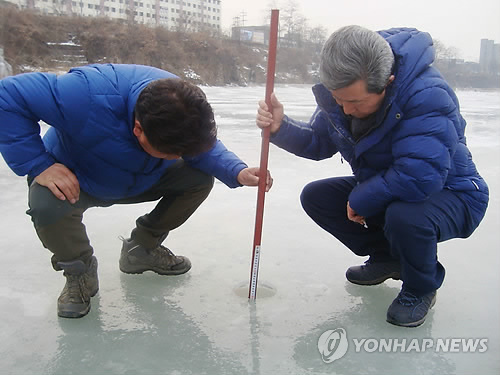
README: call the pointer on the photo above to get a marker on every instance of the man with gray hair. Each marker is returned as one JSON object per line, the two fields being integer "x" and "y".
{"x": 392, "y": 116}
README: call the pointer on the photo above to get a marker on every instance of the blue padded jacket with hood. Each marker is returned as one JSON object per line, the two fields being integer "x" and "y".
{"x": 418, "y": 145}
{"x": 90, "y": 111}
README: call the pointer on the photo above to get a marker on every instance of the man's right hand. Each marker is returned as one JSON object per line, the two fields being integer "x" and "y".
{"x": 61, "y": 182}
{"x": 266, "y": 118}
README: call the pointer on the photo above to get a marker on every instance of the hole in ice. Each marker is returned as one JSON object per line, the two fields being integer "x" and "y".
{"x": 264, "y": 290}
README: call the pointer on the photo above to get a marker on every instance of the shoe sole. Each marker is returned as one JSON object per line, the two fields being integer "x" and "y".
{"x": 131, "y": 269}
{"x": 73, "y": 314}
{"x": 394, "y": 276}
{"x": 412, "y": 324}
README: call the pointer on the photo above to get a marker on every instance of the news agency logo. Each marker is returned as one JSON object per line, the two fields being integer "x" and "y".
{"x": 333, "y": 345}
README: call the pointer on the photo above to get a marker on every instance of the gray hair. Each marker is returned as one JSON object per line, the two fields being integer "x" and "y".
{"x": 354, "y": 53}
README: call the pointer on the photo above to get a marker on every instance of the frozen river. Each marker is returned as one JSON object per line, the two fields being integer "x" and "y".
{"x": 199, "y": 323}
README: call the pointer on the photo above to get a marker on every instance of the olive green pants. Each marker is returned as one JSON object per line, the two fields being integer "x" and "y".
{"x": 59, "y": 224}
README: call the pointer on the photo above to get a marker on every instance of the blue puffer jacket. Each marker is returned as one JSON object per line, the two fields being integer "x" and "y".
{"x": 91, "y": 113}
{"x": 418, "y": 147}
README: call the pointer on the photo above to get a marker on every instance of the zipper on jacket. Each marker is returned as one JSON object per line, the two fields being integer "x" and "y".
{"x": 340, "y": 133}
{"x": 346, "y": 138}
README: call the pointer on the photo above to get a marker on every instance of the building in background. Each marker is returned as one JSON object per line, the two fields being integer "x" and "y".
{"x": 251, "y": 34}
{"x": 489, "y": 56}
{"x": 191, "y": 15}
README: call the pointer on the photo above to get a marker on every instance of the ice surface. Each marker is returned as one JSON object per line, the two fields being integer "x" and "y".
{"x": 202, "y": 322}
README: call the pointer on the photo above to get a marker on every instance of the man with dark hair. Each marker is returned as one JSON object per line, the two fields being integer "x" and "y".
{"x": 392, "y": 116}
{"x": 119, "y": 134}
{"x": 182, "y": 104}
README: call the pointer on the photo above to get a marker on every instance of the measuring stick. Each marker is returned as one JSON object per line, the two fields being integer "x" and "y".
{"x": 264, "y": 155}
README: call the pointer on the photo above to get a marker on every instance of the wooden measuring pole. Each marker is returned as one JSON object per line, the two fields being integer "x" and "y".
{"x": 264, "y": 155}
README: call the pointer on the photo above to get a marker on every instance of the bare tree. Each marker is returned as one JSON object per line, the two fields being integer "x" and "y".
{"x": 443, "y": 52}
{"x": 293, "y": 24}
{"x": 317, "y": 35}
{"x": 271, "y": 4}
{"x": 289, "y": 16}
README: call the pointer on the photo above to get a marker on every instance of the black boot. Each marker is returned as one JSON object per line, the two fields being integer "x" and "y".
{"x": 374, "y": 272}
{"x": 410, "y": 310}
{"x": 81, "y": 284}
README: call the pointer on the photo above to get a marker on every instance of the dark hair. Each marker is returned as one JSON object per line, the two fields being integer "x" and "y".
{"x": 176, "y": 117}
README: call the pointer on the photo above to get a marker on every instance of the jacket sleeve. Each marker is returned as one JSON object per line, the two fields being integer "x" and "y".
{"x": 24, "y": 101}
{"x": 423, "y": 145}
{"x": 221, "y": 163}
{"x": 306, "y": 139}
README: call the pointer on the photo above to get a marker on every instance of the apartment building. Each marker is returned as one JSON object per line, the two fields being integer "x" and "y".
{"x": 489, "y": 56}
{"x": 172, "y": 14}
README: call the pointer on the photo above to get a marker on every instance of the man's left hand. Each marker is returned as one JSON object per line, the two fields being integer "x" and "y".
{"x": 353, "y": 216}
{"x": 250, "y": 177}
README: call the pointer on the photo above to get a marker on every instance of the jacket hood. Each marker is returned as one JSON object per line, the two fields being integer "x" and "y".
{"x": 413, "y": 53}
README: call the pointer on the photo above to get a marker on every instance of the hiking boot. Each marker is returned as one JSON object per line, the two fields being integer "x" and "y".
{"x": 409, "y": 310}
{"x": 136, "y": 258}
{"x": 374, "y": 272}
{"x": 81, "y": 284}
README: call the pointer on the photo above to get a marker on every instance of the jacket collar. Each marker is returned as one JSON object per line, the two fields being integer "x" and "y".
{"x": 386, "y": 117}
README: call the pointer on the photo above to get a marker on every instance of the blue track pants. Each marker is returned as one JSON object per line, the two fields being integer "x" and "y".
{"x": 406, "y": 231}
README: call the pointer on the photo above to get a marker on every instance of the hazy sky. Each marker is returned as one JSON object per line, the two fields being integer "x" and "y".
{"x": 456, "y": 23}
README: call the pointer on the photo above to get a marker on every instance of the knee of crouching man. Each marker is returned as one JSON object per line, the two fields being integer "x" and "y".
{"x": 44, "y": 207}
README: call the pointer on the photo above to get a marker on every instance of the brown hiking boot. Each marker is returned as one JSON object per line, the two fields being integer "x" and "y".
{"x": 136, "y": 258}
{"x": 81, "y": 284}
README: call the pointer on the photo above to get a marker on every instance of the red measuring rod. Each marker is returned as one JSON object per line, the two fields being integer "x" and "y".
{"x": 264, "y": 156}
